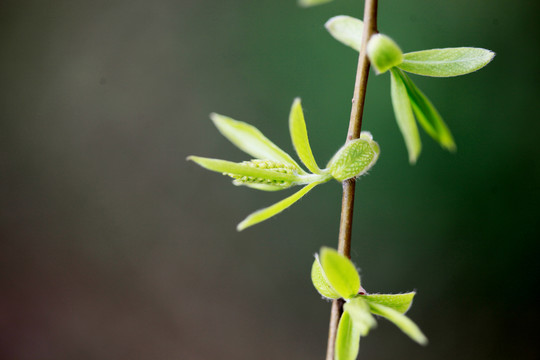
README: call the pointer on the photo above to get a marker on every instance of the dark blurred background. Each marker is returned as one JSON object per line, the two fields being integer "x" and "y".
{"x": 113, "y": 246}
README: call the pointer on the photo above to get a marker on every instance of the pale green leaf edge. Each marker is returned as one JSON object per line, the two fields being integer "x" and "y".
{"x": 404, "y": 115}
{"x": 399, "y": 302}
{"x": 347, "y": 30}
{"x": 299, "y": 137}
{"x": 359, "y": 310}
{"x": 401, "y": 321}
{"x": 320, "y": 281}
{"x": 266, "y": 213}
{"x": 309, "y": 3}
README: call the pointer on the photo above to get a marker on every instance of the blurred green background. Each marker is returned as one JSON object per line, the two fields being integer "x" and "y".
{"x": 112, "y": 246}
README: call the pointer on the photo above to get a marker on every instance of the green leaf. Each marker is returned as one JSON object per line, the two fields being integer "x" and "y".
{"x": 360, "y": 313}
{"x": 383, "y": 53}
{"x": 404, "y": 115}
{"x": 399, "y": 302}
{"x": 275, "y": 209}
{"x": 446, "y": 62}
{"x": 308, "y": 3}
{"x": 264, "y": 187}
{"x": 428, "y": 116}
{"x": 321, "y": 283}
{"x": 340, "y": 272}
{"x": 297, "y": 127}
{"x": 243, "y": 169}
{"x": 347, "y": 30}
{"x": 355, "y": 158}
{"x": 401, "y": 321}
{"x": 250, "y": 140}
{"x": 347, "y": 339}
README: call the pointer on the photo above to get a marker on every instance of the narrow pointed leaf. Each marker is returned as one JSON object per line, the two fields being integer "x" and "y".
{"x": 347, "y": 30}
{"x": 340, "y": 272}
{"x": 355, "y": 158}
{"x": 347, "y": 339}
{"x": 250, "y": 140}
{"x": 404, "y": 115}
{"x": 229, "y": 167}
{"x": 428, "y": 117}
{"x": 360, "y": 313}
{"x": 275, "y": 209}
{"x": 321, "y": 283}
{"x": 446, "y": 62}
{"x": 308, "y": 3}
{"x": 383, "y": 53}
{"x": 297, "y": 128}
{"x": 399, "y": 302}
{"x": 401, "y": 321}
{"x": 263, "y": 187}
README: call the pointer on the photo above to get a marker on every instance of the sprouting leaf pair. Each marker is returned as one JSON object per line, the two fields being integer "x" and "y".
{"x": 334, "y": 276}
{"x": 273, "y": 169}
{"x": 407, "y": 100}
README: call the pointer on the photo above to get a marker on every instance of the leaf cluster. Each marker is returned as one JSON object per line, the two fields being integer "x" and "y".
{"x": 334, "y": 276}
{"x": 410, "y": 104}
{"x": 273, "y": 169}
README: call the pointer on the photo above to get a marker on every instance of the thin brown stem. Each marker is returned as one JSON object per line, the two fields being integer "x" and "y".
{"x": 355, "y": 126}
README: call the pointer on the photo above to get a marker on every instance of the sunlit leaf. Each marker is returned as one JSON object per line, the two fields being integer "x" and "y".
{"x": 320, "y": 281}
{"x": 250, "y": 140}
{"x": 243, "y": 169}
{"x": 446, "y": 62}
{"x": 428, "y": 116}
{"x": 399, "y": 302}
{"x": 297, "y": 127}
{"x": 347, "y": 30}
{"x": 355, "y": 158}
{"x": 403, "y": 322}
{"x": 340, "y": 272}
{"x": 360, "y": 313}
{"x": 347, "y": 339}
{"x": 275, "y": 209}
{"x": 383, "y": 53}
{"x": 308, "y": 3}
{"x": 404, "y": 115}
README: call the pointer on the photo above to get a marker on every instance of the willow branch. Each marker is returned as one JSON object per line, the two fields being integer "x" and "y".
{"x": 355, "y": 126}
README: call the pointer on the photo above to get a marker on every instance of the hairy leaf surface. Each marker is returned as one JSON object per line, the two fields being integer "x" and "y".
{"x": 446, "y": 62}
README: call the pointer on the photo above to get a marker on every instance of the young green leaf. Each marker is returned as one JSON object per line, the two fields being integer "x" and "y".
{"x": 427, "y": 115}
{"x": 360, "y": 314}
{"x": 383, "y": 53}
{"x": 245, "y": 170}
{"x": 401, "y": 321}
{"x": 308, "y": 3}
{"x": 321, "y": 283}
{"x": 404, "y": 115}
{"x": 347, "y": 30}
{"x": 446, "y": 62}
{"x": 399, "y": 302}
{"x": 347, "y": 338}
{"x": 275, "y": 209}
{"x": 297, "y": 128}
{"x": 340, "y": 272}
{"x": 355, "y": 158}
{"x": 250, "y": 140}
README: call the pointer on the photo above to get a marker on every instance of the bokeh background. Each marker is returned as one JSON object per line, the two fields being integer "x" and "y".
{"x": 113, "y": 246}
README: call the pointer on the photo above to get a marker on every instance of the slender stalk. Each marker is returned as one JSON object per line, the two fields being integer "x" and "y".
{"x": 355, "y": 126}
